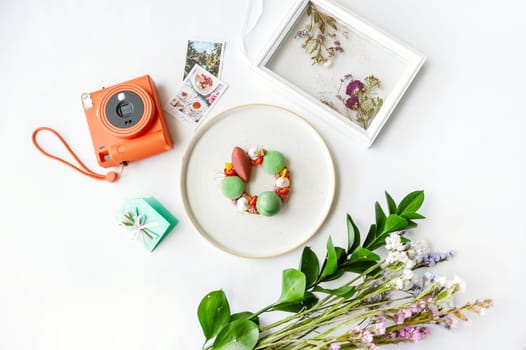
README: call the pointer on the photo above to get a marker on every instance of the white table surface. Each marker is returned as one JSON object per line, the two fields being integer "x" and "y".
{"x": 71, "y": 280}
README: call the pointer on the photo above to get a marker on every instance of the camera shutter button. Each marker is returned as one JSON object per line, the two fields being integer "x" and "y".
{"x": 121, "y": 149}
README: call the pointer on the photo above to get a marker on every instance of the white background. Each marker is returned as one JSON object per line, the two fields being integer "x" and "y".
{"x": 71, "y": 280}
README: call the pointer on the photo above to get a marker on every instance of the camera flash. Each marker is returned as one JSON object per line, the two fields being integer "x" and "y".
{"x": 121, "y": 96}
{"x": 86, "y": 101}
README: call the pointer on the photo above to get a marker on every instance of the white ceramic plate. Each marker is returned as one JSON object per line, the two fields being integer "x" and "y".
{"x": 312, "y": 181}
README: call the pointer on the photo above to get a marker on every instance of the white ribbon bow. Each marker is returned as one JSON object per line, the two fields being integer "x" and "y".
{"x": 142, "y": 227}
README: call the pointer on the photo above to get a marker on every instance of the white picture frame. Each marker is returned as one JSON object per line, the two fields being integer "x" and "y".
{"x": 371, "y": 50}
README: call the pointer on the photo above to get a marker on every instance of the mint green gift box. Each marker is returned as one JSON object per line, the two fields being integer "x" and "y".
{"x": 156, "y": 220}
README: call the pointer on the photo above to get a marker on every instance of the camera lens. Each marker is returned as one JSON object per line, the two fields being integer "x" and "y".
{"x": 124, "y": 109}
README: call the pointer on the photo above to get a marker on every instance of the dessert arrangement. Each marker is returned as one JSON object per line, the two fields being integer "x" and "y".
{"x": 252, "y": 128}
{"x": 237, "y": 176}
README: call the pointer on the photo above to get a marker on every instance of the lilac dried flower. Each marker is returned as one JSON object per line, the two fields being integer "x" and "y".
{"x": 352, "y": 102}
{"x": 319, "y": 35}
{"x": 354, "y": 87}
{"x": 301, "y": 34}
{"x": 431, "y": 259}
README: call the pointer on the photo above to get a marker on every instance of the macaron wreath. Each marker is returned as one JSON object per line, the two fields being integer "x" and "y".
{"x": 237, "y": 176}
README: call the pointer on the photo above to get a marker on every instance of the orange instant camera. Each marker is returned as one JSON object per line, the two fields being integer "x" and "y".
{"x": 126, "y": 122}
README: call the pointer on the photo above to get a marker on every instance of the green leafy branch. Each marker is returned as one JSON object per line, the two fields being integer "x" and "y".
{"x": 223, "y": 330}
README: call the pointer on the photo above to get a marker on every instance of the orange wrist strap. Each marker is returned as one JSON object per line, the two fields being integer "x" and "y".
{"x": 112, "y": 176}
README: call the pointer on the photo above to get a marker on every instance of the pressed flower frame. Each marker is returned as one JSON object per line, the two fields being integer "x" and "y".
{"x": 354, "y": 47}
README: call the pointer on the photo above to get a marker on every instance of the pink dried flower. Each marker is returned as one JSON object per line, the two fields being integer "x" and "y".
{"x": 451, "y": 322}
{"x": 399, "y": 318}
{"x": 367, "y": 337}
{"x": 419, "y": 333}
{"x": 354, "y": 87}
{"x": 413, "y": 333}
{"x": 356, "y": 330}
{"x": 379, "y": 327}
{"x": 433, "y": 309}
{"x": 352, "y": 102}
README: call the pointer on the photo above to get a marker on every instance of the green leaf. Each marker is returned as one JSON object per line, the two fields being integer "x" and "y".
{"x": 412, "y": 216}
{"x": 316, "y": 17}
{"x": 390, "y": 203}
{"x": 343, "y": 292}
{"x": 334, "y": 276}
{"x": 331, "y": 261}
{"x": 332, "y": 22}
{"x": 314, "y": 47}
{"x": 341, "y": 255}
{"x": 213, "y": 313}
{"x": 380, "y": 217}
{"x": 360, "y": 267}
{"x": 411, "y": 224}
{"x": 310, "y": 266}
{"x": 309, "y": 10}
{"x": 309, "y": 300}
{"x": 371, "y": 236}
{"x": 394, "y": 223}
{"x": 245, "y": 315}
{"x": 411, "y": 203}
{"x": 380, "y": 103}
{"x": 237, "y": 335}
{"x": 292, "y": 286}
{"x": 353, "y": 235}
{"x": 363, "y": 254}
{"x": 322, "y": 27}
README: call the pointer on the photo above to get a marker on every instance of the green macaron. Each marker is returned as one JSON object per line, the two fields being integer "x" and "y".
{"x": 232, "y": 187}
{"x": 268, "y": 203}
{"x": 273, "y": 162}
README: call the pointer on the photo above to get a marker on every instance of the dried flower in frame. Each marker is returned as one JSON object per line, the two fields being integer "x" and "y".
{"x": 321, "y": 36}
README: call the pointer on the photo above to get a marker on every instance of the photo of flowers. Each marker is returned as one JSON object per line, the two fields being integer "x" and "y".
{"x": 200, "y": 91}
{"x": 206, "y": 54}
{"x": 352, "y": 73}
